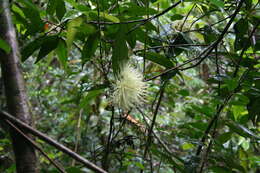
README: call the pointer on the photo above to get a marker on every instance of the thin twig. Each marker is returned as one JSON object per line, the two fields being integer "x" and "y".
{"x": 154, "y": 17}
{"x": 107, "y": 150}
{"x": 149, "y": 140}
{"x": 176, "y": 45}
{"x": 186, "y": 17}
{"x": 206, "y": 52}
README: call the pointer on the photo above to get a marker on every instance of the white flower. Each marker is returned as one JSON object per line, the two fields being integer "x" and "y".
{"x": 130, "y": 89}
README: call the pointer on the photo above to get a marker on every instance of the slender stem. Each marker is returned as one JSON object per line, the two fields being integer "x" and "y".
{"x": 105, "y": 159}
{"x": 149, "y": 140}
{"x": 154, "y": 17}
{"x": 186, "y": 17}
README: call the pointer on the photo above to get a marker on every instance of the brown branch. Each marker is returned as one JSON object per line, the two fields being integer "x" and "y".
{"x": 52, "y": 142}
{"x": 33, "y": 143}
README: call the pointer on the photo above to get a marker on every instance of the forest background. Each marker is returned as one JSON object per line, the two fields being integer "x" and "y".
{"x": 199, "y": 110}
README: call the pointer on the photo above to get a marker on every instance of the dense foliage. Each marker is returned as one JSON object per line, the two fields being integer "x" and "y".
{"x": 200, "y": 61}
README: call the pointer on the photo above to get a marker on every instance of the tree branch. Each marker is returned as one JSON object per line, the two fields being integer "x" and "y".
{"x": 52, "y": 142}
{"x": 33, "y": 143}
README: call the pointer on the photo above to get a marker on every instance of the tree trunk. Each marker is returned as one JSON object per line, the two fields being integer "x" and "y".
{"x": 17, "y": 101}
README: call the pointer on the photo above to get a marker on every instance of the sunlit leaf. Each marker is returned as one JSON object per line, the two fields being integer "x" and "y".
{"x": 5, "y": 46}
{"x": 219, "y": 3}
{"x": 72, "y": 30}
{"x": 106, "y": 16}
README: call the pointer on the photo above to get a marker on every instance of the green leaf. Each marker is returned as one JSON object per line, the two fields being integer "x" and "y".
{"x": 49, "y": 44}
{"x": 248, "y": 4}
{"x": 120, "y": 50}
{"x": 32, "y": 14}
{"x": 241, "y": 30}
{"x": 139, "y": 165}
{"x": 35, "y": 22}
{"x": 241, "y": 130}
{"x": 89, "y": 97}
{"x": 73, "y": 170}
{"x": 239, "y": 99}
{"x": 30, "y": 48}
{"x": 238, "y": 111}
{"x": 223, "y": 138}
{"x": 62, "y": 53}
{"x": 72, "y": 30}
{"x": 90, "y": 47}
{"x": 5, "y": 46}
{"x": 184, "y": 92}
{"x": 198, "y": 125}
{"x": 231, "y": 84}
{"x": 94, "y": 14}
{"x": 180, "y": 39}
{"x": 51, "y": 6}
{"x": 218, "y": 169}
{"x": 209, "y": 34}
{"x": 131, "y": 37}
{"x": 86, "y": 29}
{"x": 134, "y": 10}
{"x": 187, "y": 146}
{"x": 19, "y": 15}
{"x": 218, "y": 3}
{"x": 176, "y": 17}
{"x": 158, "y": 59}
{"x": 241, "y": 42}
{"x": 60, "y": 9}
{"x": 29, "y": 4}
{"x": 241, "y": 27}
{"x": 204, "y": 109}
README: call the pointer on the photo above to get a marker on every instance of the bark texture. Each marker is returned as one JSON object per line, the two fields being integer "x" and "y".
{"x": 17, "y": 101}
